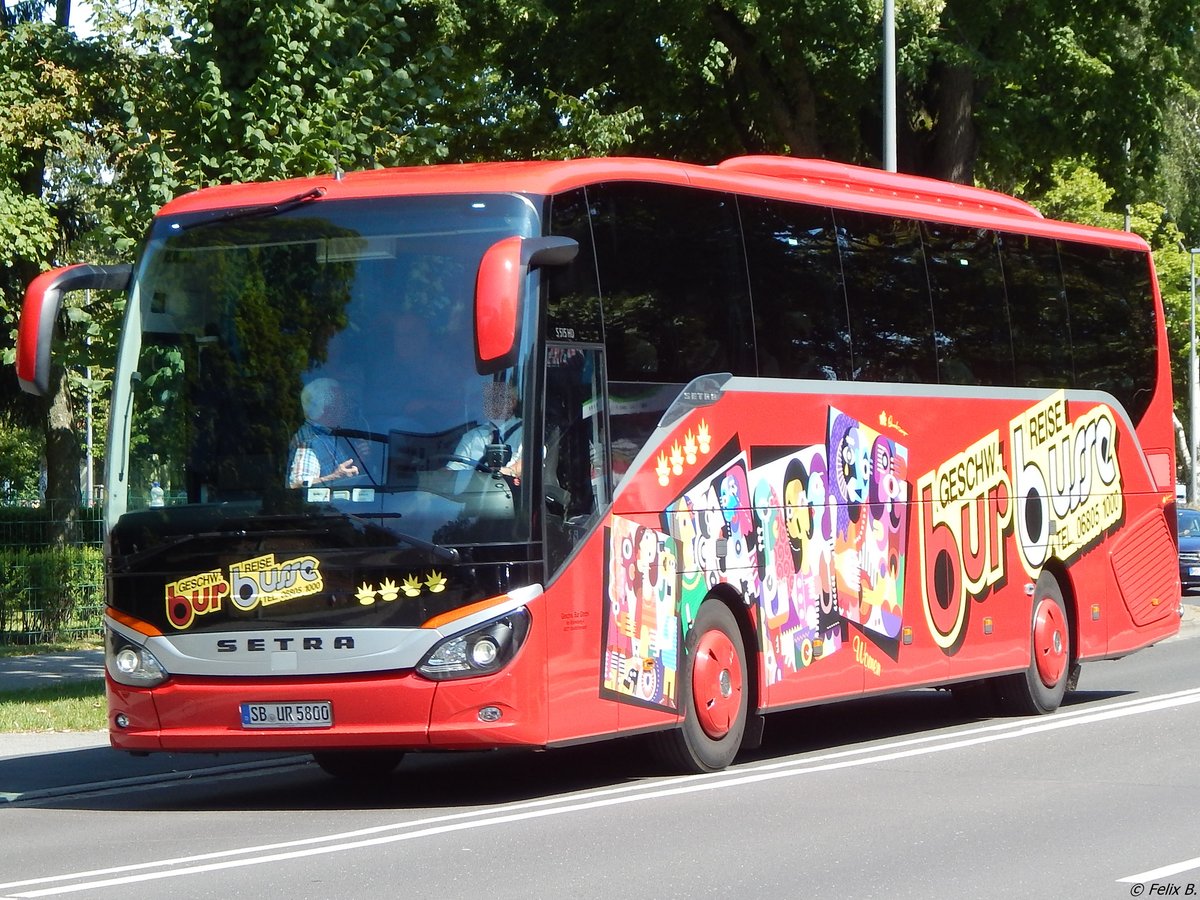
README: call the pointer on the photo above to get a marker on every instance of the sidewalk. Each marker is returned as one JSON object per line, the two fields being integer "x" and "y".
{"x": 43, "y": 765}
{"x": 18, "y": 673}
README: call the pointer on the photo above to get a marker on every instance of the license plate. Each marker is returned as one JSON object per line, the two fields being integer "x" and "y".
{"x": 1193, "y": 570}
{"x": 302, "y": 714}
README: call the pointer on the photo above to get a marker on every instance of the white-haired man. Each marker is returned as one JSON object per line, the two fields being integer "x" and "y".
{"x": 318, "y": 455}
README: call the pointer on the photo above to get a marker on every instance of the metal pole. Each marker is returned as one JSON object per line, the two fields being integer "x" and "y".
{"x": 889, "y": 85}
{"x": 91, "y": 460}
{"x": 1192, "y": 373}
{"x": 91, "y": 463}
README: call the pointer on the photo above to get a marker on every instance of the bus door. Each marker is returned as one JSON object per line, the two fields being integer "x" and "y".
{"x": 575, "y": 490}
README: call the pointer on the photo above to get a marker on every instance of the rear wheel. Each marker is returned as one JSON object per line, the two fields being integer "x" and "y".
{"x": 713, "y": 694}
{"x": 358, "y": 765}
{"x": 1040, "y": 688}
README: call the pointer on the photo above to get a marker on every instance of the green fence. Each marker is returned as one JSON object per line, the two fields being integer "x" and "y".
{"x": 51, "y": 575}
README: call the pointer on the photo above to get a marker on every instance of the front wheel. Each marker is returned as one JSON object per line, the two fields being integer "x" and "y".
{"x": 713, "y": 694}
{"x": 1040, "y": 688}
{"x": 358, "y": 765}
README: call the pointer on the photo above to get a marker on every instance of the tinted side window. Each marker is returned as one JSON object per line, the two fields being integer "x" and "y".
{"x": 1112, "y": 322}
{"x": 1041, "y": 327}
{"x": 970, "y": 315}
{"x": 573, "y": 307}
{"x": 673, "y": 282}
{"x": 795, "y": 282}
{"x": 887, "y": 293}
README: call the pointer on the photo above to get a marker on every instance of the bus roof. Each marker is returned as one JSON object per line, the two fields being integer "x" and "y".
{"x": 822, "y": 182}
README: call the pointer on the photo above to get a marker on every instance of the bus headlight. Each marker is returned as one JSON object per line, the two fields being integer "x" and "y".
{"x": 485, "y": 649}
{"x": 131, "y": 664}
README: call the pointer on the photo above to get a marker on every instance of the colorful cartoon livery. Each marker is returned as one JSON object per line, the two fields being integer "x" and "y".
{"x": 531, "y": 454}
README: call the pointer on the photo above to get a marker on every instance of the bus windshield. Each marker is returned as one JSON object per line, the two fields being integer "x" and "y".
{"x": 316, "y": 359}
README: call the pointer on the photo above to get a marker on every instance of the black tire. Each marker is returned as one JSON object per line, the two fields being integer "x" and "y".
{"x": 713, "y": 695}
{"x": 358, "y": 765}
{"x": 1040, "y": 688}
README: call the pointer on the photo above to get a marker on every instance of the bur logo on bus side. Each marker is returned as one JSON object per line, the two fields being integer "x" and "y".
{"x": 1060, "y": 494}
{"x": 966, "y": 510}
{"x": 1068, "y": 480}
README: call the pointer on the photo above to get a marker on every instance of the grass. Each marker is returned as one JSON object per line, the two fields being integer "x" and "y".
{"x": 7, "y": 650}
{"x": 71, "y": 706}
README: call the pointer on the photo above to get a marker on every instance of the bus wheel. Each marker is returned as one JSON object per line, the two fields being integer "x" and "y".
{"x": 358, "y": 765}
{"x": 713, "y": 695}
{"x": 1040, "y": 688}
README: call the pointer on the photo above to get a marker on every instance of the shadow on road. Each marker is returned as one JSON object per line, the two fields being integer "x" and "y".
{"x": 453, "y": 781}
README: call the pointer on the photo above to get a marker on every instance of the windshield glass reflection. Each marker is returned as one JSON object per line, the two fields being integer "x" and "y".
{"x": 321, "y": 361}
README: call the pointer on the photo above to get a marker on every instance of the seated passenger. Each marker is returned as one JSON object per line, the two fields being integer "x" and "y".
{"x": 317, "y": 454}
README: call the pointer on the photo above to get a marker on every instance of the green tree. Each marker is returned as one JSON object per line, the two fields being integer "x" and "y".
{"x": 243, "y": 91}
{"x": 1006, "y": 87}
{"x": 20, "y": 463}
{"x": 54, "y": 93}
{"x": 101, "y": 132}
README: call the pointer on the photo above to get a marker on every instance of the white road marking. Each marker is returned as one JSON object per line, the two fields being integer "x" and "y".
{"x": 597, "y": 799}
{"x": 1164, "y": 872}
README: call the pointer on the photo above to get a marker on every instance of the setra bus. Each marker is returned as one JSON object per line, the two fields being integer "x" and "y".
{"x": 529, "y": 454}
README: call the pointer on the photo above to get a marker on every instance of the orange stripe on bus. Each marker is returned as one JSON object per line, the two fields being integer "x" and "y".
{"x": 136, "y": 624}
{"x": 455, "y": 614}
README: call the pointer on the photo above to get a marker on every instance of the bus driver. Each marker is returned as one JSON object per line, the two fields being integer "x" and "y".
{"x": 501, "y": 427}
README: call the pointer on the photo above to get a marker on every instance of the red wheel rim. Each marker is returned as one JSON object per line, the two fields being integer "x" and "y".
{"x": 1049, "y": 642}
{"x": 716, "y": 684}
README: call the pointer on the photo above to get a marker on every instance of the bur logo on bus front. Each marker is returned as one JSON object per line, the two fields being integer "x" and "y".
{"x": 1060, "y": 494}
{"x": 251, "y": 583}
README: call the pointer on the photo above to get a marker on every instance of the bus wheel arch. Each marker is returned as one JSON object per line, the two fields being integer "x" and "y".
{"x": 717, "y": 688}
{"x": 1040, "y": 688}
{"x": 1072, "y": 601}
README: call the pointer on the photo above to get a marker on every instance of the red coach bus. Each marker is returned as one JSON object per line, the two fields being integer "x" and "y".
{"x": 538, "y": 453}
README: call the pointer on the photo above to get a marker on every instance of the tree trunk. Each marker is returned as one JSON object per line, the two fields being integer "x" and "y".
{"x": 955, "y": 146}
{"x": 62, "y": 461}
{"x": 63, "y": 452}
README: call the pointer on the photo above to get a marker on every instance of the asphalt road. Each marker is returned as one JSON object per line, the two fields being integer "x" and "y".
{"x": 896, "y": 797}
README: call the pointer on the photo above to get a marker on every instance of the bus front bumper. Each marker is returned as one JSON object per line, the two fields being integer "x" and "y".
{"x": 398, "y": 710}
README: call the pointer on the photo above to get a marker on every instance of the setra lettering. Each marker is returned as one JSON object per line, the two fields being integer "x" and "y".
{"x": 305, "y": 642}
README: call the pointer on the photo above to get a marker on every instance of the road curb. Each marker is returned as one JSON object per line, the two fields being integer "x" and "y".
{"x": 145, "y": 780}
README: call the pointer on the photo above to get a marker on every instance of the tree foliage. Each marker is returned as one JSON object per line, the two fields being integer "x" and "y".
{"x": 1088, "y": 109}
{"x": 242, "y": 91}
{"x": 55, "y": 91}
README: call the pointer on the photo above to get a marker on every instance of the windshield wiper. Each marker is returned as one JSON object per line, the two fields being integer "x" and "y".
{"x": 446, "y": 554}
{"x": 128, "y": 561}
{"x": 266, "y": 210}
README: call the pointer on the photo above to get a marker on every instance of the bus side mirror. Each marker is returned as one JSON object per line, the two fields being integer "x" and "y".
{"x": 43, "y": 299}
{"x": 498, "y": 286}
